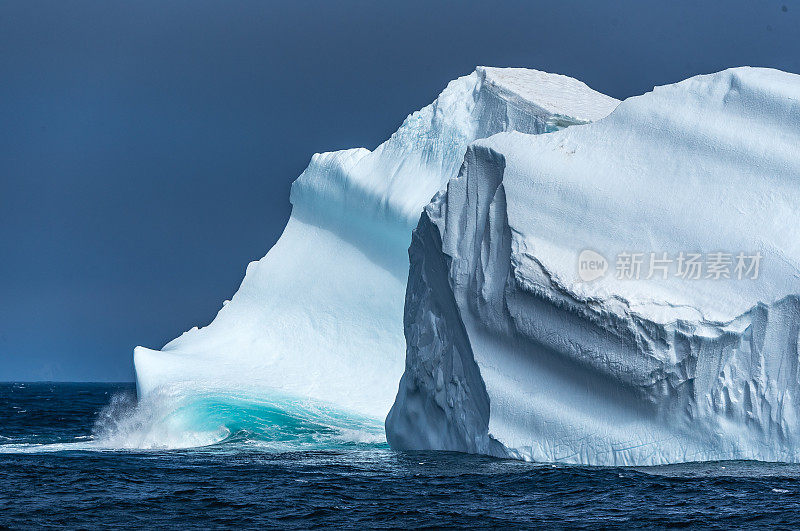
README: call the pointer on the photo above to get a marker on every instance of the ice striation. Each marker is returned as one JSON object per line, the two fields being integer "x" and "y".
{"x": 511, "y": 353}
{"x": 320, "y": 317}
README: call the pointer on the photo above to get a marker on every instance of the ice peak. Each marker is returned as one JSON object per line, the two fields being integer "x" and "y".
{"x": 396, "y": 180}
{"x": 554, "y": 93}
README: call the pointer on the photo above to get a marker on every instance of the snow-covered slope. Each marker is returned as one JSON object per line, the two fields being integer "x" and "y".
{"x": 511, "y": 351}
{"x": 320, "y": 316}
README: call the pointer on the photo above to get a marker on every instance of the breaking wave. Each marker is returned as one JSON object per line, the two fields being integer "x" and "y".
{"x": 180, "y": 418}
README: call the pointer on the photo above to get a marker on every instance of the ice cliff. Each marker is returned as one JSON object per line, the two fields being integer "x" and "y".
{"x": 511, "y": 352}
{"x": 320, "y": 317}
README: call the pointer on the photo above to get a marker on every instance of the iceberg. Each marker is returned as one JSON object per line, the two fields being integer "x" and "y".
{"x": 555, "y": 309}
{"x": 320, "y": 317}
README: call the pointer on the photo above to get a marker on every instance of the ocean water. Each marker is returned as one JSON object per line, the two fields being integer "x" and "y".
{"x": 87, "y": 455}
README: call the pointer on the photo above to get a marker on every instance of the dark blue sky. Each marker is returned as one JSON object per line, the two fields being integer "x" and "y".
{"x": 147, "y": 147}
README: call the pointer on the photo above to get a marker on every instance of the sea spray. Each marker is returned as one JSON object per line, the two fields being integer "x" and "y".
{"x": 177, "y": 417}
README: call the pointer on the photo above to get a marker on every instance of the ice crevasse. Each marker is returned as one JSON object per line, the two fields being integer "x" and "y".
{"x": 320, "y": 317}
{"x": 511, "y": 352}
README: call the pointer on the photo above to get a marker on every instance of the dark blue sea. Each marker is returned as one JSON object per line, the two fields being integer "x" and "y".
{"x": 64, "y": 462}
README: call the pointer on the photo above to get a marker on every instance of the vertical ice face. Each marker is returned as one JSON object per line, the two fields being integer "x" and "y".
{"x": 510, "y": 351}
{"x": 320, "y": 316}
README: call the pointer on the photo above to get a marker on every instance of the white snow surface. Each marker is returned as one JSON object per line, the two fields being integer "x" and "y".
{"x": 321, "y": 315}
{"x": 509, "y": 353}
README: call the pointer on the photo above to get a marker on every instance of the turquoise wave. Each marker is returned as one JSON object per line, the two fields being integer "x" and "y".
{"x": 218, "y": 419}
{"x": 183, "y": 418}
